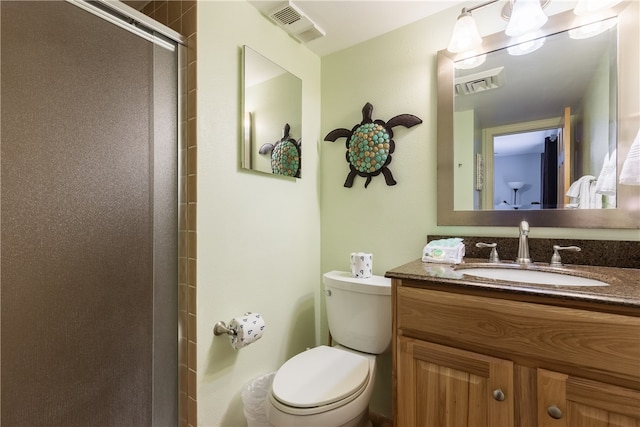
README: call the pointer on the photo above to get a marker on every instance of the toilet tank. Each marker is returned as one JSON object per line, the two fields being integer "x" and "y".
{"x": 359, "y": 311}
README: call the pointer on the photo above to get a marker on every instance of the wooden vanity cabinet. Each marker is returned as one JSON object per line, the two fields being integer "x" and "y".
{"x": 569, "y": 401}
{"x": 445, "y": 386}
{"x": 469, "y": 360}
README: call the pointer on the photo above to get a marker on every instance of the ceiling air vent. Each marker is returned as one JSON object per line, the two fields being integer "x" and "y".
{"x": 480, "y": 82}
{"x": 294, "y": 22}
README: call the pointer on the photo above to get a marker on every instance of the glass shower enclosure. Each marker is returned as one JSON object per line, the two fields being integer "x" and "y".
{"x": 89, "y": 170}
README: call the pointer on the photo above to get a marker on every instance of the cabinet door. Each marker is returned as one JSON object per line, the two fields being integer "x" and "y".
{"x": 567, "y": 401}
{"x": 448, "y": 387}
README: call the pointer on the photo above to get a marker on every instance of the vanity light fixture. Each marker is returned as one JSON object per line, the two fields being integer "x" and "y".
{"x": 524, "y": 16}
{"x": 589, "y": 6}
{"x": 465, "y": 35}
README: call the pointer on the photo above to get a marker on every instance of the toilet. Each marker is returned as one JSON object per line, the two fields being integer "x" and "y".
{"x": 331, "y": 386}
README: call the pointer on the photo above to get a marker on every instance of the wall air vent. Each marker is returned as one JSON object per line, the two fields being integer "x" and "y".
{"x": 480, "y": 82}
{"x": 294, "y": 22}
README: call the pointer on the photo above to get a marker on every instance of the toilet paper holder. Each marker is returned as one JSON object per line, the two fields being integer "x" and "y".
{"x": 221, "y": 328}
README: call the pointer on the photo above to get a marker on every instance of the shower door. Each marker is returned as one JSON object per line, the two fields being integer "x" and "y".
{"x": 88, "y": 211}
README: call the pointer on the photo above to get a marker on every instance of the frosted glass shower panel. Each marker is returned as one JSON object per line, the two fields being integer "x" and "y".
{"x": 78, "y": 211}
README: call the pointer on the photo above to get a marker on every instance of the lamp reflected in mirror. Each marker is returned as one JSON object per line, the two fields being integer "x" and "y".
{"x": 515, "y": 186}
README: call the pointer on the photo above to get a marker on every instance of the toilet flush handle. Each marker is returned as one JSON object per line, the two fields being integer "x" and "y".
{"x": 327, "y": 292}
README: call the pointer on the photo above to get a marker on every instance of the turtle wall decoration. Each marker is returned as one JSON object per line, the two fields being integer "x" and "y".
{"x": 370, "y": 145}
{"x": 286, "y": 154}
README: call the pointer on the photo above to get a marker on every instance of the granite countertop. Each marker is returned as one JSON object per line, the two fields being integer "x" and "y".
{"x": 623, "y": 289}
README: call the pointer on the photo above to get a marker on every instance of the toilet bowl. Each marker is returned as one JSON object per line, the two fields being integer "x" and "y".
{"x": 331, "y": 386}
{"x": 323, "y": 387}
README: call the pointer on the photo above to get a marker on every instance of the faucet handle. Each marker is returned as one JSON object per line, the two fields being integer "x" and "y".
{"x": 493, "y": 256}
{"x": 555, "y": 258}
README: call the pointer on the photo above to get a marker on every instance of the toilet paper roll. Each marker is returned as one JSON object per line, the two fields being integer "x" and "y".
{"x": 249, "y": 328}
{"x": 362, "y": 264}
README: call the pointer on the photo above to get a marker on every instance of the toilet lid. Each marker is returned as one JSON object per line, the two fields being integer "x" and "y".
{"x": 320, "y": 376}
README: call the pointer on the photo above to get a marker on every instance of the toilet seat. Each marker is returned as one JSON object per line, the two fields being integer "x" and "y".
{"x": 319, "y": 380}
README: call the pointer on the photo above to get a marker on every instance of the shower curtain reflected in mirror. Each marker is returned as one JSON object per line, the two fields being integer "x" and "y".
{"x": 88, "y": 241}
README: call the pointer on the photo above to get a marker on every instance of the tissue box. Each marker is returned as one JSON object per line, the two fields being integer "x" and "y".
{"x": 445, "y": 251}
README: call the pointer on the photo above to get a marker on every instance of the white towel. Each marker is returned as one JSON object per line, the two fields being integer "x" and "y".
{"x": 583, "y": 193}
{"x": 447, "y": 251}
{"x": 606, "y": 183}
{"x": 630, "y": 173}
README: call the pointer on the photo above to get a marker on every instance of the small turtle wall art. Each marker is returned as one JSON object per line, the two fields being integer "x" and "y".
{"x": 286, "y": 154}
{"x": 370, "y": 145}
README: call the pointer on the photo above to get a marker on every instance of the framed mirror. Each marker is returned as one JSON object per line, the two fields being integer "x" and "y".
{"x": 517, "y": 132}
{"x": 272, "y": 117}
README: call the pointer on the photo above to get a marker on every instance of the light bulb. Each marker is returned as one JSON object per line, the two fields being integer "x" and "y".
{"x": 527, "y": 16}
{"x": 588, "y": 6}
{"x": 465, "y": 34}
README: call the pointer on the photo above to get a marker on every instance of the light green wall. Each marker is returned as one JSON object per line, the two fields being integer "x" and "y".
{"x": 396, "y": 73}
{"x": 258, "y": 235}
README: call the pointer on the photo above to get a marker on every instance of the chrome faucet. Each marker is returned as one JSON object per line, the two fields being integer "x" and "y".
{"x": 523, "y": 244}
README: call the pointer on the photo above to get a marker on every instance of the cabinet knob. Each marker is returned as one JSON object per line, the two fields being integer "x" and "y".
{"x": 498, "y": 395}
{"x": 554, "y": 412}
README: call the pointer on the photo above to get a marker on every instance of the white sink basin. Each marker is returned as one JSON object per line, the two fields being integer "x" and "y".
{"x": 531, "y": 276}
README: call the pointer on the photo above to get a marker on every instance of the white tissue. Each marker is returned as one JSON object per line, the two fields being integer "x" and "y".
{"x": 361, "y": 265}
{"x": 248, "y": 329}
{"x": 446, "y": 251}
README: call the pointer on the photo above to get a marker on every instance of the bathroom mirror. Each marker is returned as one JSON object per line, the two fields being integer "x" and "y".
{"x": 271, "y": 105}
{"x": 511, "y": 136}
{"x": 471, "y": 113}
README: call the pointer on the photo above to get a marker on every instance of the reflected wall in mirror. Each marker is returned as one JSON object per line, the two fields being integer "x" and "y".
{"x": 564, "y": 131}
{"x": 272, "y": 116}
{"x": 589, "y": 124}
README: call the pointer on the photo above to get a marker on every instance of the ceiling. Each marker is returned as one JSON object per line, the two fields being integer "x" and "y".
{"x": 522, "y": 143}
{"x": 337, "y": 18}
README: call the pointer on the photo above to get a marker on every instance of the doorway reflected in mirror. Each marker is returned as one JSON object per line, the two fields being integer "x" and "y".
{"x": 501, "y": 101}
